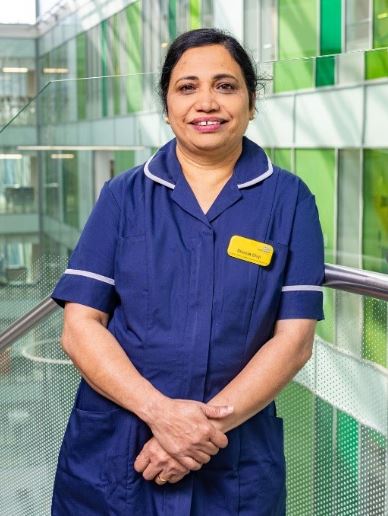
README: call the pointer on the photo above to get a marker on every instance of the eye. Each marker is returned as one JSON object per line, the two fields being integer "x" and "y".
{"x": 186, "y": 88}
{"x": 226, "y": 86}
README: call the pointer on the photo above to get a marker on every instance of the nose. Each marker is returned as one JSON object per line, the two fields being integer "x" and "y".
{"x": 206, "y": 100}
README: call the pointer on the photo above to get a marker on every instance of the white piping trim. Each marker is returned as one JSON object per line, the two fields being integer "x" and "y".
{"x": 259, "y": 178}
{"x": 150, "y": 175}
{"x": 308, "y": 288}
{"x": 254, "y": 181}
{"x": 92, "y": 275}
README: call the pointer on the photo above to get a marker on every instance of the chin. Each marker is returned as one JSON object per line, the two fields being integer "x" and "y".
{"x": 211, "y": 142}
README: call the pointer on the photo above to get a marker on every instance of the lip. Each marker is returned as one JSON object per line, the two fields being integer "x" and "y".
{"x": 208, "y": 119}
{"x": 217, "y": 123}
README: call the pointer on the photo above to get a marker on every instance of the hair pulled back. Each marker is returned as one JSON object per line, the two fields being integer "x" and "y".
{"x": 200, "y": 38}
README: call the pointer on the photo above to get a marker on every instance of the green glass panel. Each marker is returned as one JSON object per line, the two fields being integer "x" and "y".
{"x": 325, "y": 71}
{"x": 134, "y": 81}
{"x": 295, "y": 74}
{"x": 330, "y": 26}
{"x": 51, "y": 187}
{"x": 270, "y": 152}
{"x": 297, "y": 36}
{"x": 375, "y": 336}
{"x": 123, "y": 160}
{"x": 375, "y": 213}
{"x": 324, "y": 447}
{"x": 325, "y": 328}
{"x": 283, "y": 158}
{"x": 380, "y": 23}
{"x": 373, "y": 464}
{"x": 376, "y": 64}
{"x": 172, "y": 19}
{"x": 296, "y": 405}
{"x": 346, "y": 465}
{"x": 317, "y": 167}
{"x": 116, "y": 65}
{"x": 104, "y": 66}
{"x": 195, "y": 14}
{"x": 81, "y": 72}
{"x": 70, "y": 191}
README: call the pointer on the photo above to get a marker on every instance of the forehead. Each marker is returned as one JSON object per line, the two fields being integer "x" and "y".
{"x": 206, "y": 60}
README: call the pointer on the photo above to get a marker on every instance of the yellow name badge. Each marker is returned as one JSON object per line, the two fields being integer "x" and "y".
{"x": 250, "y": 250}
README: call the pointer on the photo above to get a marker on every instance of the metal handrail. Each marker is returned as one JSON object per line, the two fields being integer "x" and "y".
{"x": 25, "y": 323}
{"x": 349, "y": 279}
{"x": 357, "y": 281}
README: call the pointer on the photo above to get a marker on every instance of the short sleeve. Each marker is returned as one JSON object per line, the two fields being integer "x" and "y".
{"x": 302, "y": 293}
{"x": 89, "y": 278}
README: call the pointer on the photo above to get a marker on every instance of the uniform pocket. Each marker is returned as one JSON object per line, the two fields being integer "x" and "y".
{"x": 89, "y": 440}
{"x": 94, "y": 464}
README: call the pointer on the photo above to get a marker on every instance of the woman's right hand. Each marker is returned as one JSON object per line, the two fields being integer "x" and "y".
{"x": 184, "y": 431}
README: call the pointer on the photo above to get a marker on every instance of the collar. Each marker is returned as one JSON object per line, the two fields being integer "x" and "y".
{"x": 252, "y": 167}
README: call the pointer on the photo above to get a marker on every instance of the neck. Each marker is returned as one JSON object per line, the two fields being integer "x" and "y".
{"x": 207, "y": 167}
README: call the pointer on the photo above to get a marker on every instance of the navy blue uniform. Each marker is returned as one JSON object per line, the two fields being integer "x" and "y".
{"x": 190, "y": 317}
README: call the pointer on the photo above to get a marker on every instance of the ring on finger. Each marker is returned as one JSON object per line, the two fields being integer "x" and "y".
{"x": 161, "y": 479}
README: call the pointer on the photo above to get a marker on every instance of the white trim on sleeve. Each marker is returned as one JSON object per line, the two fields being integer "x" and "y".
{"x": 308, "y": 288}
{"x": 91, "y": 275}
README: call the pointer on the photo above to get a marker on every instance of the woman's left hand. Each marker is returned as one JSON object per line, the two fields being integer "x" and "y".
{"x": 155, "y": 463}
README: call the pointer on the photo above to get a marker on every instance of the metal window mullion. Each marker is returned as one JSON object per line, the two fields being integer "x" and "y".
{"x": 371, "y": 23}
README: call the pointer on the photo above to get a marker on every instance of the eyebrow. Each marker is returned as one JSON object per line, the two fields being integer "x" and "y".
{"x": 215, "y": 77}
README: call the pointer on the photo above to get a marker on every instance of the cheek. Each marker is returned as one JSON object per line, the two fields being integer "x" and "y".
{"x": 176, "y": 110}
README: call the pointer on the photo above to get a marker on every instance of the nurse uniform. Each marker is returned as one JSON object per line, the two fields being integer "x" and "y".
{"x": 189, "y": 316}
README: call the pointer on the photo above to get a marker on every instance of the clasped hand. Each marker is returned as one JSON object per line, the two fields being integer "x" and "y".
{"x": 184, "y": 438}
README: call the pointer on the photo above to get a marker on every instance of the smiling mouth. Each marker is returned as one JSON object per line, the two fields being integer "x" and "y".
{"x": 209, "y": 122}
{"x": 204, "y": 121}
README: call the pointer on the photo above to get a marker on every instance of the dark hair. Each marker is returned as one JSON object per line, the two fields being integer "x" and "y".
{"x": 202, "y": 37}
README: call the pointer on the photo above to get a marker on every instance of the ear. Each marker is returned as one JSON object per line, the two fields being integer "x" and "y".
{"x": 252, "y": 111}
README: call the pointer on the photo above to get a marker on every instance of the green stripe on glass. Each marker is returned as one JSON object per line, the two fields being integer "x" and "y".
{"x": 325, "y": 71}
{"x": 373, "y": 464}
{"x": 298, "y": 23}
{"x": 195, "y": 14}
{"x": 374, "y": 342}
{"x": 324, "y": 456}
{"x": 81, "y": 72}
{"x": 283, "y": 158}
{"x": 116, "y": 64}
{"x": 331, "y": 22}
{"x": 296, "y": 405}
{"x": 346, "y": 466}
{"x": 295, "y": 74}
{"x": 70, "y": 191}
{"x": 376, "y": 64}
{"x": 135, "y": 81}
{"x": 172, "y": 19}
{"x": 123, "y": 160}
{"x": 104, "y": 66}
{"x": 317, "y": 167}
{"x": 380, "y": 23}
{"x": 375, "y": 210}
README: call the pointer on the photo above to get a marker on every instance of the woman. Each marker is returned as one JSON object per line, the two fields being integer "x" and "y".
{"x": 191, "y": 300}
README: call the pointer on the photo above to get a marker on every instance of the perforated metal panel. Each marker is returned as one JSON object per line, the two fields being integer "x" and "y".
{"x": 336, "y": 416}
{"x": 37, "y": 385}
